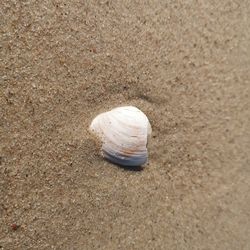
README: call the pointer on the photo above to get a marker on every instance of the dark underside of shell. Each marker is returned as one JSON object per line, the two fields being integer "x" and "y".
{"x": 124, "y": 160}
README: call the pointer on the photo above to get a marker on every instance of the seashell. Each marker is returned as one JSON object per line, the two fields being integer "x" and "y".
{"x": 124, "y": 132}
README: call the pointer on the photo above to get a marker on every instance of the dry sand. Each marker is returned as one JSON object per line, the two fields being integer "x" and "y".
{"x": 186, "y": 64}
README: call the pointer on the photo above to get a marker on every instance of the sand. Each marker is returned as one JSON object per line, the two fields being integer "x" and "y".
{"x": 186, "y": 64}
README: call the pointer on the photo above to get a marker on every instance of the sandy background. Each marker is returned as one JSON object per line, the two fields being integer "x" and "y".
{"x": 186, "y": 64}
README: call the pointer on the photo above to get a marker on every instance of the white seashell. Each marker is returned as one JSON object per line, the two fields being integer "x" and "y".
{"x": 124, "y": 132}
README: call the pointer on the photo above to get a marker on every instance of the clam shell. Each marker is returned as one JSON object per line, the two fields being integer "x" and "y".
{"x": 124, "y": 132}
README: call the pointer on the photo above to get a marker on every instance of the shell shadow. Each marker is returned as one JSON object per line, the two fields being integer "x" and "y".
{"x": 131, "y": 169}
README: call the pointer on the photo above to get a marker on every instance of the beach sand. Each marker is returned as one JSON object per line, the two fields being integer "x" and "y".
{"x": 186, "y": 64}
